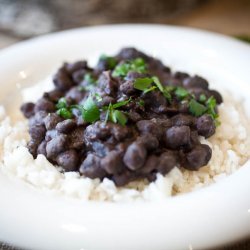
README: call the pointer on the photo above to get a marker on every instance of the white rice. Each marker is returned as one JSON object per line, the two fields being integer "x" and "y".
{"x": 230, "y": 146}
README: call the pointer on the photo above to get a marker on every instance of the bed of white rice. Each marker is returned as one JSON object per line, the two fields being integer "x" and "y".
{"x": 230, "y": 146}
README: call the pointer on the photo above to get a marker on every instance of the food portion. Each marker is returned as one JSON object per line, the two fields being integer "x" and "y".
{"x": 128, "y": 119}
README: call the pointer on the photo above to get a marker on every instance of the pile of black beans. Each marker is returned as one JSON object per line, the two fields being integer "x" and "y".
{"x": 158, "y": 134}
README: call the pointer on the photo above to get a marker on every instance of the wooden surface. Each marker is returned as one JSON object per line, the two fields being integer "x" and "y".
{"x": 228, "y": 17}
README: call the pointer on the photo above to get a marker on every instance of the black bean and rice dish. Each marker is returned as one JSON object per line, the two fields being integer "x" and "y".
{"x": 127, "y": 129}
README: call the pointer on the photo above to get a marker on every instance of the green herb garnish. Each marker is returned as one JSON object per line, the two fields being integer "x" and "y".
{"x": 62, "y": 103}
{"x": 202, "y": 98}
{"x": 65, "y": 113}
{"x": 143, "y": 83}
{"x": 89, "y": 78}
{"x": 90, "y": 111}
{"x": 111, "y": 61}
{"x": 115, "y": 115}
{"x": 136, "y": 65}
{"x": 196, "y": 108}
{"x": 158, "y": 83}
{"x": 120, "y": 104}
{"x": 118, "y": 116}
{"x": 211, "y": 105}
{"x": 63, "y": 109}
{"x": 181, "y": 93}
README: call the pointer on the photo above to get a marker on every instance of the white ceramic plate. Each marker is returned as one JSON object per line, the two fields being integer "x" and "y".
{"x": 212, "y": 216}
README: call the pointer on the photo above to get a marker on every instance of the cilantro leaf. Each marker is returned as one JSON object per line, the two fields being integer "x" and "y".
{"x": 211, "y": 105}
{"x": 164, "y": 90}
{"x": 137, "y": 65}
{"x": 120, "y": 104}
{"x": 202, "y": 98}
{"x": 149, "y": 89}
{"x": 157, "y": 83}
{"x": 196, "y": 108}
{"x": 64, "y": 112}
{"x": 143, "y": 83}
{"x": 111, "y": 61}
{"x": 90, "y": 111}
{"x": 181, "y": 93}
{"x": 119, "y": 117}
{"x": 62, "y": 103}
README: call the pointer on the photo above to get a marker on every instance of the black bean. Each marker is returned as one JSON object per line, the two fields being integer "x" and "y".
{"x": 66, "y": 126}
{"x": 123, "y": 179}
{"x": 167, "y": 161}
{"x": 53, "y": 95}
{"x": 178, "y": 136}
{"x": 68, "y": 160}
{"x": 135, "y": 156}
{"x": 76, "y": 138}
{"x": 51, "y": 120}
{"x": 112, "y": 163}
{"x": 28, "y": 109}
{"x": 42, "y": 148}
{"x": 73, "y": 67}
{"x": 196, "y": 82}
{"x": 44, "y": 105}
{"x": 91, "y": 167}
{"x": 127, "y": 88}
{"x": 37, "y": 132}
{"x": 56, "y": 146}
{"x": 149, "y": 141}
{"x": 205, "y": 126}
{"x": 32, "y": 147}
{"x": 130, "y": 53}
{"x": 150, "y": 165}
{"x": 199, "y": 156}
{"x": 62, "y": 80}
{"x": 75, "y": 94}
{"x": 107, "y": 83}
{"x": 180, "y": 75}
{"x": 148, "y": 126}
{"x": 181, "y": 120}
{"x": 38, "y": 118}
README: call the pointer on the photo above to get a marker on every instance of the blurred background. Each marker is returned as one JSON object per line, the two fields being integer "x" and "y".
{"x": 22, "y": 19}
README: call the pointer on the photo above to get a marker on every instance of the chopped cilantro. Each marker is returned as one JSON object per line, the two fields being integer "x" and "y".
{"x": 143, "y": 83}
{"x": 137, "y": 65}
{"x": 149, "y": 89}
{"x": 211, "y": 105}
{"x": 120, "y": 104}
{"x": 63, "y": 109}
{"x": 196, "y": 108}
{"x": 62, "y": 103}
{"x": 90, "y": 111}
{"x": 64, "y": 112}
{"x": 202, "y": 98}
{"x": 115, "y": 115}
{"x": 167, "y": 95}
{"x": 181, "y": 93}
{"x": 119, "y": 116}
{"x": 157, "y": 83}
{"x": 111, "y": 61}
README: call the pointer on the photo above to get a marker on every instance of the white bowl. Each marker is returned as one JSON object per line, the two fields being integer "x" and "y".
{"x": 212, "y": 216}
